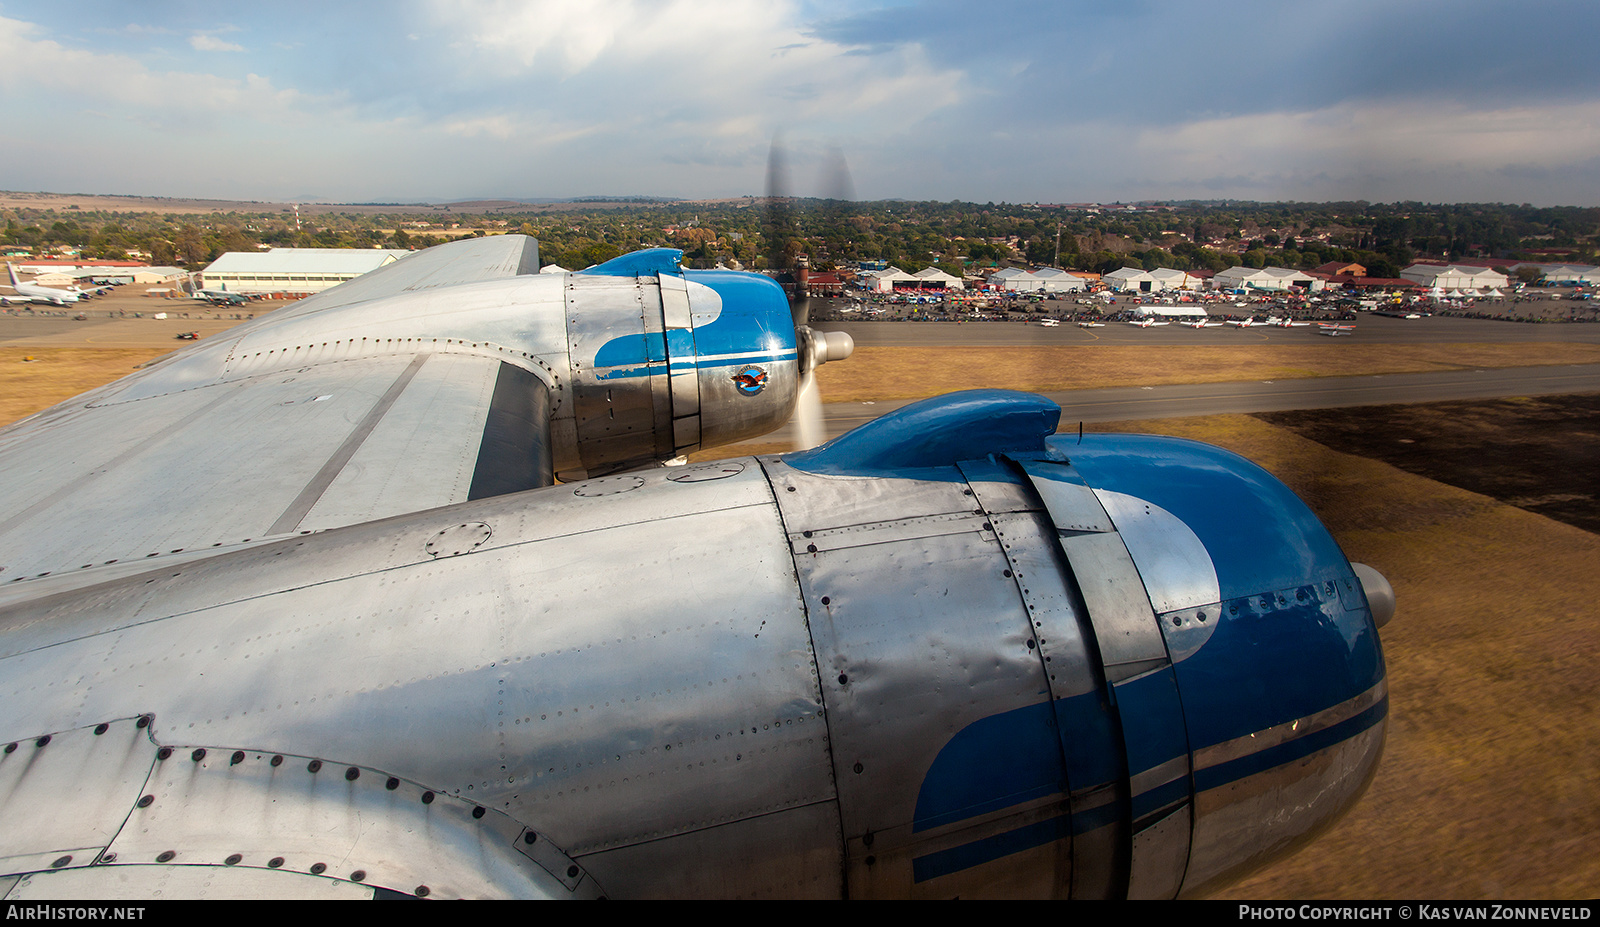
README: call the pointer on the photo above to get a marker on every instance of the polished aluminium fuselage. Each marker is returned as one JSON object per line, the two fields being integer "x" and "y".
{"x": 1124, "y": 667}
{"x": 316, "y": 416}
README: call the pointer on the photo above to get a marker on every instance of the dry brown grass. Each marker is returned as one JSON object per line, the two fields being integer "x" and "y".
{"x": 57, "y": 374}
{"x": 875, "y": 373}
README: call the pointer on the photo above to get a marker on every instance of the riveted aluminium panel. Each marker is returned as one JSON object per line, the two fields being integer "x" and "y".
{"x": 1263, "y": 791}
{"x": 179, "y": 489}
{"x": 613, "y": 705}
{"x": 1136, "y": 665}
{"x": 1173, "y": 564}
{"x": 923, "y": 640}
{"x": 1090, "y": 745}
{"x": 64, "y": 795}
{"x": 141, "y": 883}
{"x": 1125, "y": 628}
{"x": 215, "y": 806}
{"x": 682, "y": 360}
{"x": 412, "y": 459}
{"x": 620, "y": 390}
{"x": 791, "y": 854}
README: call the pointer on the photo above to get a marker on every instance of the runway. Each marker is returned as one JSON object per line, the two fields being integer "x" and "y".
{"x": 1146, "y": 402}
{"x": 1369, "y": 329}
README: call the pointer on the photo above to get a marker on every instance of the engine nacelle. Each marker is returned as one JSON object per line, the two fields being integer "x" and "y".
{"x": 1143, "y": 664}
{"x": 666, "y": 360}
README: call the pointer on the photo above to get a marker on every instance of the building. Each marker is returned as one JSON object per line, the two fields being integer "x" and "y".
{"x": 293, "y": 270}
{"x": 1570, "y": 275}
{"x": 1014, "y": 279}
{"x": 1341, "y": 269}
{"x": 1274, "y": 279}
{"x": 935, "y": 279}
{"x": 825, "y": 283}
{"x": 1454, "y": 277}
{"x": 1055, "y": 280}
{"x": 1138, "y": 280}
{"x": 1395, "y": 284}
{"x": 887, "y": 280}
{"x": 68, "y": 267}
{"x": 1166, "y": 278}
{"x": 1044, "y": 280}
{"x": 138, "y": 275}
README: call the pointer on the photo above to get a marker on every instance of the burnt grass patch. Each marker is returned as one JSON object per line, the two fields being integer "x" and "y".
{"x": 1540, "y": 454}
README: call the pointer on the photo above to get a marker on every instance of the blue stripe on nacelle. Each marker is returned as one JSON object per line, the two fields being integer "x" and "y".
{"x": 990, "y": 849}
{"x": 997, "y": 762}
{"x": 632, "y": 350}
{"x": 1263, "y": 760}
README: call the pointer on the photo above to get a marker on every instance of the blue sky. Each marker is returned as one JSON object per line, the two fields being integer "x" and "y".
{"x": 1014, "y": 100}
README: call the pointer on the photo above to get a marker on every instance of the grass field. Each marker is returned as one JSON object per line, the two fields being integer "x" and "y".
{"x": 910, "y": 373}
{"x": 33, "y": 379}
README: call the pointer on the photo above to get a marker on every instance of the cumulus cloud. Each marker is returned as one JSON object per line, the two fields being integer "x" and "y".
{"x": 701, "y": 64}
{"x": 1046, "y": 100}
{"x": 31, "y": 62}
{"x": 1445, "y": 147}
{"x": 202, "y": 42}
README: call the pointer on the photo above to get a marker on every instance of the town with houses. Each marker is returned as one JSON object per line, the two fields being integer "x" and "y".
{"x": 961, "y": 256}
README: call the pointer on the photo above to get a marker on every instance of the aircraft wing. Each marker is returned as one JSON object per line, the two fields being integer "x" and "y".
{"x": 466, "y": 261}
{"x": 456, "y": 373}
{"x": 349, "y": 406}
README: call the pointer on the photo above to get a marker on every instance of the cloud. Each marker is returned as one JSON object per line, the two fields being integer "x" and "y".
{"x": 1034, "y": 100}
{"x": 203, "y": 42}
{"x": 120, "y": 82}
{"x": 697, "y": 63}
{"x": 1394, "y": 137}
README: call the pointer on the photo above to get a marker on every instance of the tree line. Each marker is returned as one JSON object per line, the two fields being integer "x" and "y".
{"x": 956, "y": 237}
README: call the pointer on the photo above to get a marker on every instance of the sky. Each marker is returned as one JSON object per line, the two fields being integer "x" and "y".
{"x": 1020, "y": 101}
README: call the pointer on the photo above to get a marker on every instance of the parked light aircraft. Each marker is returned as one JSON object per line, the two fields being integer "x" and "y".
{"x": 1202, "y": 323}
{"x": 220, "y": 297}
{"x": 1147, "y": 323}
{"x": 38, "y": 293}
{"x": 299, "y": 612}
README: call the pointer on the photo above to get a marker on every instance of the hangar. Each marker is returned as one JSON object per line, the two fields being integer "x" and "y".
{"x": 293, "y": 270}
{"x": 1134, "y": 279}
{"x": 1571, "y": 275}
{"x": 1044, "y": 280}
{"x": 1454, "y": 277}
{"x": 1266, "y": 278}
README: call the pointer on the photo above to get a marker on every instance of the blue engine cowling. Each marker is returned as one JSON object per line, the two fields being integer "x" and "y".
{"x": 1173, "y": 673}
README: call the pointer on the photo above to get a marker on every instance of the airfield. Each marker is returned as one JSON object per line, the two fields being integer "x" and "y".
{"x": 1448, "y": 462}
